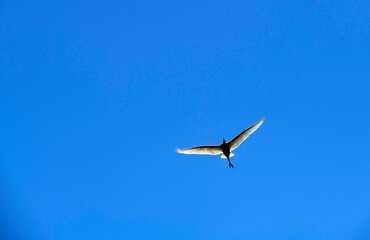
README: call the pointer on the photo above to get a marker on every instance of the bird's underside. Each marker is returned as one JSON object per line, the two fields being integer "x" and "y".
{"x": 225, "y": 148}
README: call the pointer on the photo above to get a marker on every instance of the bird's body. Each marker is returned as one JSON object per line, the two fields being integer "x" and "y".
{"x": 226, "y": 152}
{"x": 225, "y": 148}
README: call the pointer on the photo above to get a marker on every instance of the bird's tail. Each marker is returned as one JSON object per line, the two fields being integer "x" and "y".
{"x": 223, "y": 155}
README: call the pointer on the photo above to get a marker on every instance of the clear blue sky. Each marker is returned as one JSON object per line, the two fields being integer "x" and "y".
{"x": 96, "y": 95}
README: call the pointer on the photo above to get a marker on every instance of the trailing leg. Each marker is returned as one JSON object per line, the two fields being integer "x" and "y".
{"x": 230, "y": 164}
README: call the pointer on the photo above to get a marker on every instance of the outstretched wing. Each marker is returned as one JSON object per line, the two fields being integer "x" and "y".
{"x": 243, "y": 135}
{"x": 210, "y": 150}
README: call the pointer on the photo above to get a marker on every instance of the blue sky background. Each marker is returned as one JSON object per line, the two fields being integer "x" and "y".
{"x": 96, "y": 95}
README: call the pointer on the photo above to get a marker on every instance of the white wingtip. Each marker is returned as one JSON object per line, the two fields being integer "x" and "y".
{"x": 178, "y": 150}
{"x": 261, "y": 121}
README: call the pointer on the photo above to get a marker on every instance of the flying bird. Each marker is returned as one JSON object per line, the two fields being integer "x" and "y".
{"x": 226, "y": 147}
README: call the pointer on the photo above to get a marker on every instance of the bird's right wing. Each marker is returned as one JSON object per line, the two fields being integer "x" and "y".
{"x": 210, "y": 150}
{"x": 243, "y": 135}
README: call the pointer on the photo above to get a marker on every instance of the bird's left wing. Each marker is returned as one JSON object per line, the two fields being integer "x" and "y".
{"x": 210, "y": 150}
{"x": 243, "y": 135}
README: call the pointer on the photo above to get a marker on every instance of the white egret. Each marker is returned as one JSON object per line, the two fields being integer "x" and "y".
{"x": 226, "y": 147}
